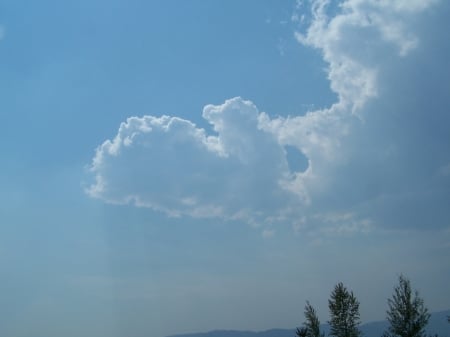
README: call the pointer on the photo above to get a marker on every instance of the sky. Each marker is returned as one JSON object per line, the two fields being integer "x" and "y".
{"x": 184, "y": 166}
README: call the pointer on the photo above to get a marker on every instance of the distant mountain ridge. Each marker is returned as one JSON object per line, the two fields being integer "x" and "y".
{"x": 438, "y": 324}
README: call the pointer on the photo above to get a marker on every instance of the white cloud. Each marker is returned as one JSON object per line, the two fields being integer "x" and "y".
{"x": 268, "y": 233}
{"x": 241, "y": 172}
{"x": 352, "y": 40}
{"x": 357, "y": 147}
{"x": 343, "y": 224}
{"x": 168, "y": 164}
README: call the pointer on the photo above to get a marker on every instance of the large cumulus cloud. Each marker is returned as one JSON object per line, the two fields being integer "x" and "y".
{"x": 381, "y": 146}
{"x": 169, "y": 164}
{"x": 389, "y": 63}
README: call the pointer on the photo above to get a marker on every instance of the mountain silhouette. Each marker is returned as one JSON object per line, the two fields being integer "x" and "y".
{"x": 438, "y": 324}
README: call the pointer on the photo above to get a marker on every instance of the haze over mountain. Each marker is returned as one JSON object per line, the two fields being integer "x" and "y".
{"x": 438, "y": 324}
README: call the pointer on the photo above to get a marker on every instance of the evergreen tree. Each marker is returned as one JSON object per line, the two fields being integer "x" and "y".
{"x": 344, "y": 312}
{"x": 407, "y": 314}
{"x": 311, "y": 326}
{"x": 302, "y": 332}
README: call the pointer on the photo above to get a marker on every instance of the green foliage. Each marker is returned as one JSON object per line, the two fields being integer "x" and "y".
{"x": 311, "y": 326}
{"x": 407, "y": 314}
{"x": 344, "y": 313}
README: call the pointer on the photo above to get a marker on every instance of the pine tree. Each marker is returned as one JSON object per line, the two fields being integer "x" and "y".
{"x": 407, "y": 314}
{"x": 302, "y": 332}
{"x": 344, "y": 312}
{"x": 311, "y": 326}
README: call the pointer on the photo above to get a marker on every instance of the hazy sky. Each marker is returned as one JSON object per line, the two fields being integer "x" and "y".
{"x": 180, "y": 166}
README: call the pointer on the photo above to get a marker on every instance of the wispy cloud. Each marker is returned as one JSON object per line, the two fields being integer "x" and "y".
{"x": 268, "y": 233}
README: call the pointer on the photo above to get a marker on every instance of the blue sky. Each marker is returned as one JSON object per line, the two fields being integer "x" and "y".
{"x": 185, "y": 166}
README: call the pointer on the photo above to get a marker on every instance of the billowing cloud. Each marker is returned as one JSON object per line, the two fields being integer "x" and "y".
{"x": 388, "y": 63}
{"x": 367, "y": 154}
{"x": 169, "y": 164}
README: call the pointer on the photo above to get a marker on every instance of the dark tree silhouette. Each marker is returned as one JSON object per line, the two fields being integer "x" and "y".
{"x": 311, "y": 326}
{"x": 344, "y": 313}
{"x": 301, "y": 332}
{"x": 407, "y": 314}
